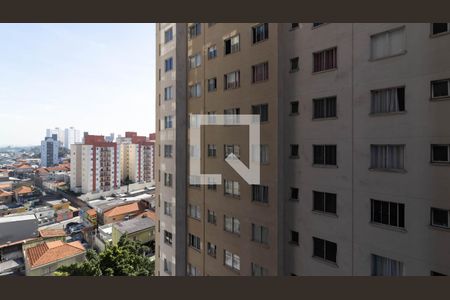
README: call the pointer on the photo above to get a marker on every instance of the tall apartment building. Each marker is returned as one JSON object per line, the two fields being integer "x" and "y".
{"x": 171, "y": 116}
{"x": 49, "y": 151}
{"x": 94, "y": 165}
{"x": 66, "y": 137}
{"x": 136, "y": 158}
{"x": 71, "y": 136}
{"x": 355, "y": 149}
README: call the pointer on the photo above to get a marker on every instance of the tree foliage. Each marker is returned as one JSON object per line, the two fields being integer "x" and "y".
{"x": 127, "y": 258}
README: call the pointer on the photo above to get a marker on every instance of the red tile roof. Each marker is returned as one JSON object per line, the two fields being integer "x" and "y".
{"x": 51, "y": 233}
{"x": 23, "y": 190}
{"x": 5, "y": 193}
{"x": 51, "y": 252}
{"x": 123, "y": 209}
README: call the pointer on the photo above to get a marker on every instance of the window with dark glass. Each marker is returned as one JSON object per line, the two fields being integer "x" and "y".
{"x": 324, "y": 202}
{"x": 324, "y": 249}
{"x": 387, "y": 213}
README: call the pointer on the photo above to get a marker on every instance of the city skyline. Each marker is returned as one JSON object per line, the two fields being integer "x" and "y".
{"x": 53, "y": 72}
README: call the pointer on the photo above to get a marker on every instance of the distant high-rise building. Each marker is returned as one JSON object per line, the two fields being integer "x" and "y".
{"x": 110, "y": 137}
{"x": 94, "y": 165}
{"x": 136, "y": 158}
{"x": 66, "y": 137}
{"x": 71, "y": 136}
{"x": 49, "y": 151}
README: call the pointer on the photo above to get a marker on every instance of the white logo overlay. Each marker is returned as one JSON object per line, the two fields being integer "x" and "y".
{"x": 251, "y": 174}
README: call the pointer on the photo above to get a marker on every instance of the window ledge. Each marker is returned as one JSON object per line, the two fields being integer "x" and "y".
{"x": 259, "y": 42}
{"x": 231, "y": 269}
{"x": 443, "y": 98}
{"x": 388, "y": 56}
{"x": 294, "y": 200}
{"x": 383, "y": 114}
{"x": 439, "y": 228}
{"x": 294, "y": 71}
{"x": 294, "y": 114}
{"x": 294, "y": 244}
{"x": 327, "y": 262}
{"x": 294, "y": 28}
{"x": 260, "y": 81}
{"x": 324, "y": 119}
{"x": 388, "y": 227}
{"x": 324, "y": 71}
{"x": 440, "y": 164}
{"x": 325, "y": 166}
{"x": 232, "y": 196}
{"x": 294, "y": 157}
{"x": 432, "y": 36}
{"x": 401, "y": 171}
{"x": 260, "y": 244}
{"x": 265, "y": 204}
{"x": 324, "y": 213}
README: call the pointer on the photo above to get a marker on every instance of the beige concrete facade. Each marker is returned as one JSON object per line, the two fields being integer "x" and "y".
{"x": 412, "y": 60}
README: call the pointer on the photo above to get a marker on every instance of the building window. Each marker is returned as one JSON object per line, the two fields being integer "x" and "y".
{"x": 257, "y": 270}
{"x": 260, "y": 193}
{"x": 232, "y": 45}
{"x": 262, "y": 110}
{"x": 167, "y": 122}
{"x": 194, "y": 211}
{"x": 212, "y": 217}
{"x": 295, "y": 25}
{"x": 294, "y": 108}
{"x": 167, "y": 266}
{"x": 232, "y": 80}
{"x": 195, "y": 90}
{"x": 260, "y": 72}
{"x": 388, "y": 157}
{"x": 231, "y": 188}
{"x": 440, "y": 153}
{"x": 168, "y": 64}
{"x": 324, "y": 249}
{"x": 167, "y": 179}
{"x": 383, "y": 266}
{"x": 324, "y": 108}
{"x": 260, "y": 153}
{"x": 232, "y": 225}
{"x": 167, "y": 208}
{"x": 440, "y": 88}
{"x": 294, "y": 64}
{"x": 325, "y": 60}
{"x": 212, "y": 151}
{"x": 212, "y": 84}
{"x": 231, "y": 149}
{"x": 324, "y": 202}
{"x": 294, "y": 194}
{"x": 167, "y": 237}
{"x": 211, "y": 249}
{"x": 316, "y": 24}
{"x": 388, "y": 43}
{"x": 194, "y": 241}
{"x": 167, "y": 150}
{"x": 194, "y": 30}
{"x": 168, "y": 95}
{"x": 294, "y": 238}
{"x": 168, "y": 35}
{"x": 388, "y": 100}
{"x": 195, "y": 61}
{"x": 260, "y": 234}
{"x": 212, "y": 52}
{"x": 324, "y": 155}
{"x": 293, "y": 150}
{"x": 232, "y": 260}
{"x": 260, "y": 32}
{"x": 192, "y": 271}
{"x": 387, "y": 213}
{"x": 433, "y": 273}
{"x": 232, "y": 116}
{"x": 440, "y": 217}
{"x": 439, "y": 28}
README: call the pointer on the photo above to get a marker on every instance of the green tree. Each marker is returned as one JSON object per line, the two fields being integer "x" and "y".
{"x": 127, "y": 258}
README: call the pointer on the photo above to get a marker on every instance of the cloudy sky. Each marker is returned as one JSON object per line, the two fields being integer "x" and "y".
{"x": 95, "y": 77}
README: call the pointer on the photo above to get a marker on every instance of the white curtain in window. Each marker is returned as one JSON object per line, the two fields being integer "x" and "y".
{"x": 383, "y": 266}
{"x": 385, "y": 101}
